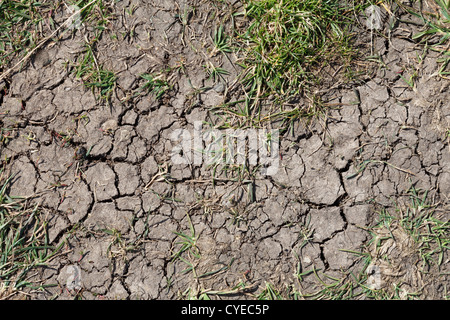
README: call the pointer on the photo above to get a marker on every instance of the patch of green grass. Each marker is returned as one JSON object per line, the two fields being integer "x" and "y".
{"x": 186, "y": 244}
{"x": 335, "y": 288}
{"x": 21, "y": 24}
{"x": 285, "y": 41}
{"x": 93, "y": 75}
{"x": 157, "y": 85}
{"x": 419, "y": 238}
{"x": 215, "y": 73}
{"x": 410, "y": 80}
{"x": 119, "y": 246}
{"x": 26, "y": 25}
{"x": 186, "y": 251}
{"x": 183, "y": 17}
{"x": 23, "y": 242}
{"x": 221, "y": 42}
{"x": 445, "y": 62}
{"x": 417, "y": 225}
{"x": 270, "y": 293}
{"x": 430, "y": 233}
{"x": 287, "y": 51}
{"x": 347, "y": 286}
{"x": 86, "y": 68}
{"x": 97, "y": 14}
{"x": 436, "y": 24}
{"x": 226, "y": 162}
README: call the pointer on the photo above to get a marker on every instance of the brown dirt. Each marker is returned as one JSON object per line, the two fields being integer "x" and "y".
{"x": 128, "y": 183}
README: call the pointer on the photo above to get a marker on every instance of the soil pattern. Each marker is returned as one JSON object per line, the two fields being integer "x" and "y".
{"x": 119, "y": 207}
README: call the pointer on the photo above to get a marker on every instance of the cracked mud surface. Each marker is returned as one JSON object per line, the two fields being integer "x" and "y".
{"x": 330, "y": 184}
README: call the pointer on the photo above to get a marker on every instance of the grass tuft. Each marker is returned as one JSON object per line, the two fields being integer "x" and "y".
{"x": 157, "y": 85}
{"x": 221, "y": 42}
{"x": 21, "y": 25}
{"x": 286, "y": 40}
{"x": 24, "y": 242}
{"x": 435, "y": 31}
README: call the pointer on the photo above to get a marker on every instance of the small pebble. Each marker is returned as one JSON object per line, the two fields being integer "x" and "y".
{"x": 109, "y": 126}
{"x": 80, "y": 153}
{"x": 219, "y": 87}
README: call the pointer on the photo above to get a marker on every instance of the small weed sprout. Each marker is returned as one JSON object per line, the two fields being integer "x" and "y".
{"x": 155, "y": 84}
{"x": 221, "y": 42}
{"x": 24, "y": 242}
{"x": 215, "y": 73}
{"x": 94, "y": 76}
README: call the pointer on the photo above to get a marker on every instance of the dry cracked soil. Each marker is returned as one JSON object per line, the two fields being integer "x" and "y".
{"x": 138, "y": 226}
